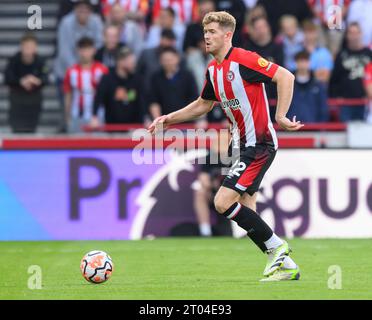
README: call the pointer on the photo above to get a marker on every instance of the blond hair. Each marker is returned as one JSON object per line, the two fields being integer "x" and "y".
{"x": 224, "y": 19}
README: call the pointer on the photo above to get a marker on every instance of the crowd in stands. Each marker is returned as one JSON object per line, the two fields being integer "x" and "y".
{"x": 129, "y": 61}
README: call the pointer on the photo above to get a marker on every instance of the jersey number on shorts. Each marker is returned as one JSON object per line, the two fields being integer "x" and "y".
{"x": 237, "y": 168}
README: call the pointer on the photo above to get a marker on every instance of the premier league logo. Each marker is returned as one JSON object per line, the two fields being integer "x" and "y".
{"x": 230, "y": 76}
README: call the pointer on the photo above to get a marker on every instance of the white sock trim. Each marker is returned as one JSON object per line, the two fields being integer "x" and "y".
{"x": 235, "y": 211}
{"x": 273, "y": 242}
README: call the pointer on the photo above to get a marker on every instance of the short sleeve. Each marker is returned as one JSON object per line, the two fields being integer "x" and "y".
{"x": 254, "y": 68}
{"x": 208, "y": 90}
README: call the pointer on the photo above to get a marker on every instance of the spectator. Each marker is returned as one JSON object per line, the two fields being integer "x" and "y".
{"x": 309, "y": 103}
{"x": 119, "y": 92}
{"x": 77, "y": 24}
{"x": 185, "y": 10}
{"x": 250, "y": 4}
{"x": 131, "y": 32}
{"x": 197, "y": 61}
{"x": 80, "y": 85}
{"x": 136, "y": 9}
{"x": 251, "y": 15}
{"x": 166, "y": 20}
{"x": 330, "y": 25}
{"x": 197, "y": 58}
{"x": 172, "y": 86}
{"x": 348, "y": 73}
{"x": 361, "y": 11}
{"x": 261, "y": 41}
{"x": 321, "y": 61}
{"x": 149, "y": 62}
{"x": 257, "y": 11}
{"x": 194, "y": 31}
{"x": 237, "y": 9}
{"x": 66, "y": 6}
{"x": 277, "y": 8}
{"x": 25, "y": 74}
{"x": 292, "y": 39}
{"x": 107, "y": 54}
{"x": 368, "y": 88}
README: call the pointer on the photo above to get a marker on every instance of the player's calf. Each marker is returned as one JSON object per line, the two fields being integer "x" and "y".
{"x": 257, "y": 229}
{"x": 260, "y": 233}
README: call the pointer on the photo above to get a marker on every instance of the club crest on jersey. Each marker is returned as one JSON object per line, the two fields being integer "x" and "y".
{"x": 230, "y": 76}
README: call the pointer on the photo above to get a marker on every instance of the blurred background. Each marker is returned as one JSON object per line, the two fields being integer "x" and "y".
{"x": 78, "y": 77}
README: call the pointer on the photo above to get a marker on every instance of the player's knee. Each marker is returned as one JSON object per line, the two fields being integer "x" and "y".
{"x": 221, "y": 204}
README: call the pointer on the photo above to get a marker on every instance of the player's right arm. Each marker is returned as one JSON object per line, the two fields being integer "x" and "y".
{"x": 192, "y": 111}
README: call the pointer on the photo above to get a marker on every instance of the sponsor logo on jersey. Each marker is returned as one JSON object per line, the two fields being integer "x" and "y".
{"x": 232, "y": 104}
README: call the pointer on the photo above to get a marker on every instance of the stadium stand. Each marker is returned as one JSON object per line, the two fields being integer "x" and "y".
{"x": 13, "y": 25}
{"x": 12, "y": 28}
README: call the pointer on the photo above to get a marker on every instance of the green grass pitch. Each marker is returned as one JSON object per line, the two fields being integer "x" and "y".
{"x": 185, "y": 268}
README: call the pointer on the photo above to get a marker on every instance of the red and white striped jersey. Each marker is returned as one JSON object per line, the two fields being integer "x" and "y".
{"x": 238, "y": 84}
{"x": 324, "y": 8}
{"x": 186, "y": 10}
{"x": 81, "y": 83}
{"x": 129, "y": 5}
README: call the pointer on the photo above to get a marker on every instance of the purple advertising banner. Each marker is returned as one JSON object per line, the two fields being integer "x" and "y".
{"x": 68, "y": 195}
{"x": 104, "y": 194}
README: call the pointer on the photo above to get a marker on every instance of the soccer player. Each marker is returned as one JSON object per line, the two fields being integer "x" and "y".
{"x": 235, "y": 78}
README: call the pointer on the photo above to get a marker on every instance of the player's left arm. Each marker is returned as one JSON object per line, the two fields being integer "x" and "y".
{"x": 255, "y": 69}
{"x": 285, "y": 83}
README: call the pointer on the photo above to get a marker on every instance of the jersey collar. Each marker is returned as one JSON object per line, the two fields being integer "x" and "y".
{"x": 219, "y": 65}
{"x": 228, "y": 54}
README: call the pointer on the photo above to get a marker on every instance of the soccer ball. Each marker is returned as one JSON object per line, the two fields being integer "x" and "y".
{"x": 96, "y": 266}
